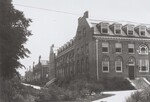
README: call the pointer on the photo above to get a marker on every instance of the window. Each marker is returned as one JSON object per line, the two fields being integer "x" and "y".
{"x": 118, "y": 47}
{"x": 118, "y": 65}
{"x": 105, "y": 47}
{"x": 117, "y": 29}
{"x": 144, "y": 65}
{"x": 104, "y": 28}
{"x": 77, "y": 52}
{"x": 130, "y": 48}
{"x": 143, "y": 49}
{"x": 105, "y": 65}
{"x": 84, "y": 32}
{"x": 130, "y": 30}
{"x": 86, "y": 49}
{"x": 131, "y": 61}
{"x": 82, "y": 50}
{"x": 142, "y": 31}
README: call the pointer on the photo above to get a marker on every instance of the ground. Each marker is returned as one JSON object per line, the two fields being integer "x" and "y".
{"x": 110, "y": 96}
{"x": 119, "y": 96}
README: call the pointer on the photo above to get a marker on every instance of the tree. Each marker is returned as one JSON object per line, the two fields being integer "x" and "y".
{"x": 13, "y": 36}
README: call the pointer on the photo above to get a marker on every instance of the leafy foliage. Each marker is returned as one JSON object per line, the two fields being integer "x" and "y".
{"x": 13, "y": 91}
{"x": 13, "y": 34}
{"x": 140, "y": 96}
{"x": 116, "y": 83}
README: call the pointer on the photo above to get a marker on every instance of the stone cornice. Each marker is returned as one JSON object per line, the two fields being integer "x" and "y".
{"x": 122, "y": 38}
{"x": 65, "y": 51}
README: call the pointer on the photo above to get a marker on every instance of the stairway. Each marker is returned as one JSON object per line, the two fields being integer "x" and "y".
{"x": 50, "y": 82}
{"x": 140, "y": 83}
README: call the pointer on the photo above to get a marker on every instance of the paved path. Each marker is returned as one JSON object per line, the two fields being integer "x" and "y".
{"x": 34, "y": 86}
{"x": 119, "y": 96}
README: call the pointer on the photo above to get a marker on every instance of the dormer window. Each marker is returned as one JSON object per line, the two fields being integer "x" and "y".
{"x": 130, "y": 29}
{"x": 142, "y": 31}
{"x": 104, "y": 28}
{"x": 117, "y": 29}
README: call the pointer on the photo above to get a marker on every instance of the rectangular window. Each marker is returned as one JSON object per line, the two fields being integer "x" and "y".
{"x": 105, "y": 47}
{"x": 117, "y": 29}
{"x": 144, "y": 65}
{"x": 84, "y": 32}
{"x": 86, "y": 49}
{"x": 130, "y": 48}
{"x": 104, "y": 28}
{"x": 130, "y": 30}
{"x": 142, "y": 31}
{"x": 118, "y": 66}
{"x": 105, "y": 66}
{"x": 77, "y": 52}
{"x": 118, "y": 47}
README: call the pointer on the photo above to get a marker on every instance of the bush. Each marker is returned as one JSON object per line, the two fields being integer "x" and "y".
{"x": 142, "y": 96}
{"x": 116, "y": 83}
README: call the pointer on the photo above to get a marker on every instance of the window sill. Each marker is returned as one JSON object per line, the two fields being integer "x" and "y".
{"x": 143, "y": 53}
{"x": 143, "y": 71}
{"x": 118, "y": 71}
{"x": 105, "y": 52}
{"x": 131, "y": 53}
{"x": 105, "y": 71}
{"x": 118, "y": 52}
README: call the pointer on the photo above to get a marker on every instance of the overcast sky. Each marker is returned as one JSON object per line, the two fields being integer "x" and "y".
{"x": 50, "y": 26}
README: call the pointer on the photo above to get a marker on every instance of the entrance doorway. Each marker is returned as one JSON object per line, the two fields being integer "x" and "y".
{"x": 131, "y": 66}
{"x": 131, "y": 72}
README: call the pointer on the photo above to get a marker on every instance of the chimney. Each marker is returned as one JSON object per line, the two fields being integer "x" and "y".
{"x": 39, "y": 59}
{"x": 86, "y": 14}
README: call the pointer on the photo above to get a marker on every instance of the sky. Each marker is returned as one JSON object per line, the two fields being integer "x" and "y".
{"x": 55, "y": 21}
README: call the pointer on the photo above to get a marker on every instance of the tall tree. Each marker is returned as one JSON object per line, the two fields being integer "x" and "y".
{"x": 13, "y": 36}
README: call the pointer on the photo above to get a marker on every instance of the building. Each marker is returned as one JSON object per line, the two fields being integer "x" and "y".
{"x": 105, "y": 49}
{"x": 40, "y": 71}
{"x": 29, "y": 76}
{"x": 52, "y": 64}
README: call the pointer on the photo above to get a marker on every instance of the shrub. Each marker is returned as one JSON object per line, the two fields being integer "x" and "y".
{"x": 116, "y": 83}
{"x": 140, "y": 96}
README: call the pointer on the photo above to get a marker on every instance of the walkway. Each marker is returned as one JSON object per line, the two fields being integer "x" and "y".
{"x": 119, "y": 96}
{"x": 34, "y": 86}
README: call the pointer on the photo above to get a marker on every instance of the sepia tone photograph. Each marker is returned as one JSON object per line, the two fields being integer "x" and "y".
{"x": 74, "y": 51}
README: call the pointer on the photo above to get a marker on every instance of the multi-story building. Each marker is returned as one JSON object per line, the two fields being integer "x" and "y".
{"x": 106, "y": 49}
{"x": 40, "y": 71}
{"x": 65, "y": 60}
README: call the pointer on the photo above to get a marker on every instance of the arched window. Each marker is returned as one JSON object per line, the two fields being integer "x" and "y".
{"x": 118, "y": 64}
{"x": 143, "y": 49}
{"x": 105, "y": 64}
{"x": 144, "y": 65}
{"x": 131, "y": 61}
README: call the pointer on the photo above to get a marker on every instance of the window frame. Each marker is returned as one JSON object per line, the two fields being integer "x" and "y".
{"x": 105, "y": 47}
{"x": 102, "y": 27}
{"x": 107, "y": 66}
{"x": 129, "y": 29}
{"x": 118, "y": 47}
{"x": 141, "y": 30}
{"x": 117, "y": 66}
{"x": 140, "y": 65}
{"x": 146, "y": 52}
{"x": 118, "y": 27}
{"x": 132, "y": 48}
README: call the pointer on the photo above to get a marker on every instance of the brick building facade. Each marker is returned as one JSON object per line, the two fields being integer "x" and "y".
{"x": 106, "y": 49}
